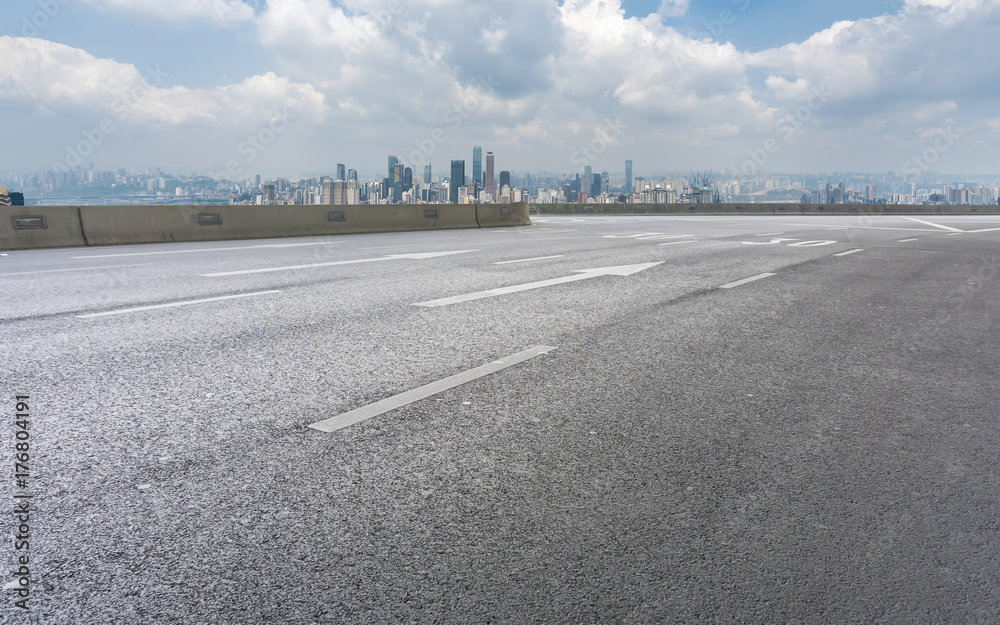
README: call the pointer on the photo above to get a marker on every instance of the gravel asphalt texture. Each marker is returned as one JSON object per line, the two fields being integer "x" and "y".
{"x": 818, "y": 446}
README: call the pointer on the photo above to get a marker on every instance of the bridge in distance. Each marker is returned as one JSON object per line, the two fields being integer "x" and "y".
{"x": 640, "y": 419}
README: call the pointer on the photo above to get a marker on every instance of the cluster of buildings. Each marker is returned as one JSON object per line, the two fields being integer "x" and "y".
{"x": 400, "y": 184}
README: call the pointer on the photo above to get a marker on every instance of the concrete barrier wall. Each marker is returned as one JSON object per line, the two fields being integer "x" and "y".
{"x": 764, "y": 209}
{"x": 67, "y": 226}
{"x": 494, "y": 215}
{"x": 29, "y": 227}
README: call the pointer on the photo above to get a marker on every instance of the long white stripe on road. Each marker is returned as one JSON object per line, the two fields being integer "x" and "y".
{"x": 25, "y": 273}
{"x": 205, "y": 249}
{"x": 678, "y": 243}
{"x": 527, "y": 260}
{"x": 364, "y": 413}
{"x": 907, "y": 240}
{"x": 417, "y": 256}
{"x": 849, "y": 252}
{"x": 928, "y": 223}
{"x": 733, "y": 285}
{"x": 173, "y": 305}
{"x": 581, "y": 274}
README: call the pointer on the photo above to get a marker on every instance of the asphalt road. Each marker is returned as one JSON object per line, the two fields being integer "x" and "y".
{"x": 818, "y": 445}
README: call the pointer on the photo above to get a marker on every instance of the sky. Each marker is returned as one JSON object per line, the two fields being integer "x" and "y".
{"x": 235, "y": 88}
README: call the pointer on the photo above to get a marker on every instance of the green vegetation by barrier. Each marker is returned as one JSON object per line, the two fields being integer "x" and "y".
{"x": 29, "y": 227}
{"x": 67, "y": 226}
{"x": 764, "y": 209}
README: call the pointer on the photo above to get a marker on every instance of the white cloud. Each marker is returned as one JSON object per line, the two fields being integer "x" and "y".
{"x": 673, "y": 8}
{"x": 52, "y": 77}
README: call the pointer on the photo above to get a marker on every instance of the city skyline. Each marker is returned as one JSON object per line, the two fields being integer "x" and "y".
{"x": 282, "y": 86}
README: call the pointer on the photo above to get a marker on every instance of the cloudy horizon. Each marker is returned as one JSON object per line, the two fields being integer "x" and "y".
{"x": 289, "y": 87}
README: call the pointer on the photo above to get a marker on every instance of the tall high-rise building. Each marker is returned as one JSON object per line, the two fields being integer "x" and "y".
{"x": 341, "y": 172}
{"x": 588, "y": 181}
{"x": 477, "y": 165}
{"x": 489, "y": 184}
{"x": 628, "y": 177}
{"x": 427, "y": 173}
{"x": 407, "y": 179}
{"x": 339, "y": 193}
{"x": 504, "y": 179}
{"x": 396, "y": 182}
{"x": 327, "y": 191}
{"x": 457, "y": 180}
{"x": 352, "y": 174}
{"x": 393, "y": 161}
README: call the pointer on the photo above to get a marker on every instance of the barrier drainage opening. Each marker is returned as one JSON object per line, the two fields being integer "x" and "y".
{"x": 30, "y": 222}
{"x": 506, "y": 210}
{"x": 336, "y": 216}
{"x": 209, "y": 219}
{"x": 430, "y": 214}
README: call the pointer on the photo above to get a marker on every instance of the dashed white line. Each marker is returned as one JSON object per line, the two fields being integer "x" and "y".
{"x": 174, "y": 304}
{"x": 25, "y": 273}
{"x": 364, "y": 413}
{"x": 677, "y": 243}
{"x": 849, "y": 252}
{"x": 526, "y": 260}
{"x": 733, "y": 285}
{"x": 907, "y": 240}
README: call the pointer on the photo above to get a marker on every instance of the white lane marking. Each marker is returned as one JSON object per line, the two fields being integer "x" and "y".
{"x": 526, "y": 260}
{"x": 173, "y": 305}
{"x": 954, "y": 234}
{"x": 812, "y": 243}
{"x": 677, "y": 243}
{"x": 769, "y": 234}
{"x": 930, "y": 223}
{"x": 417, "y": 256}
{"x": 25, "y": 273}
{"x": 634, "y": 236}
{"x": 390, "y": 247}
{"x": 907, "y": 240}
{"x": 982, "y": 230}
{"x": 733, "y": 285}
{"x": 582, "y": 274}
{"x": 849, "y": 252}
{"x": 205, "y": 249}
{"x": 364, "y": 413}
{"x": 771, "y": 242}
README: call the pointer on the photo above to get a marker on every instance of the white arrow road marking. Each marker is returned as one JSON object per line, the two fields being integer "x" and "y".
{"x": 928, "y": 223}
{"x": 364, "y": 413}
{"x": 582, "y": 274}
{"x": 419, "y": 256}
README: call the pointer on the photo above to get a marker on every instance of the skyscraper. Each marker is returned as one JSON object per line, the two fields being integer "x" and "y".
{"x": 489, "y": 184}
{"x": 393, "y": 161}
{"x": 504, "y": 179}
{"x": 628, "y": 177}
{"x": 477, "y": 165}
{"x": 407, "y": 179}
{"x": 352, "y": 174}
{"x": 341, "y": 172}
{"x": 588, "y": 181}
{"x": 457, "y": 180}
{"x": 427, "y": 173}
